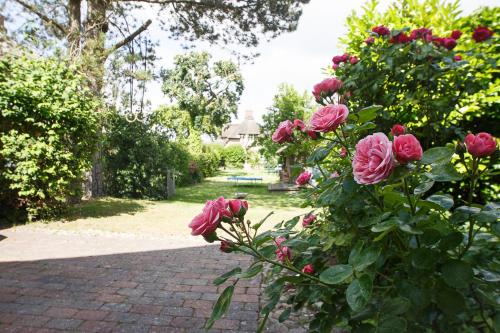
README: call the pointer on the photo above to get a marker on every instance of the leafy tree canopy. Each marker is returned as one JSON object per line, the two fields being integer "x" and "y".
{"x": 208, "y": 92}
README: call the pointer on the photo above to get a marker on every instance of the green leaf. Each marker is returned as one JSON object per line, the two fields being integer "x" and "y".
{"x": 437, "y": 155}
{"x": 487, "y": 216}
{"x": 423, "y": 187}
{"x": 319, "y": 155}
{"x": 361, "y": 258}
{"x": 368, "y": 113}
{"x": 336, "y": 274}
{"x": 392, "y": 324}
{"x": 386, "y": 225}
{"x": 251, "y": 272}
{"x": 451, "y": 241}
{"x": 409, "y": 229}
{"x": 444, "y": 201}
{"x": 284, "y": 315}
{"x": 457, "y": 274}
{"x": 221, "y": 306}
{"x": 374, "y": 220}
{"x": 223, "y": 278}
{"x": 359, "y": 292}
{"x": 450, "y": 301}
{"x": 444, "y": 173}
{"x": 423, "y": 258}
{"x": 396, "y": 306}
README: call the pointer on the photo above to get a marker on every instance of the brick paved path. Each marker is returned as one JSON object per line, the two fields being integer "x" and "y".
{"x": 168, "y": 290}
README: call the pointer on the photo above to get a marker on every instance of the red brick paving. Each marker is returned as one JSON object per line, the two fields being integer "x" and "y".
{"x": 156, "y": 291}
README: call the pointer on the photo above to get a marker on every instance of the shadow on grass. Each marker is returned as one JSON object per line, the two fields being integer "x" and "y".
{"x": 104, "y": 207}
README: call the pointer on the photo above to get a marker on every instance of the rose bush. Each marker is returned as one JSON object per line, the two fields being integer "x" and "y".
{"x": 385, "y": 248}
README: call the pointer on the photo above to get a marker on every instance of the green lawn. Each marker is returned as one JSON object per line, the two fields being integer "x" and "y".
{"x": 172, "y": 217}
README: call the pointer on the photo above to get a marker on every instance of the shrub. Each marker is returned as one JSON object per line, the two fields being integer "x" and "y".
{"x": 381, "y": 250}
{"x": 234, "y": 156}
{"x": 47, "y": 133}
{"x": 138, "y": 160}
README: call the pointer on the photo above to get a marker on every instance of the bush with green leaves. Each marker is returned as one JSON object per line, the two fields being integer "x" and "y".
{"x": 234, "y": 156}
{"x": 138, "y": 160}
{"x": 47, "y": 130}
{"x": 385, "y": 247}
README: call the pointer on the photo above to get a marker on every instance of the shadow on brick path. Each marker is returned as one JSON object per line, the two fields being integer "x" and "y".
{"x": 156, "y": 291}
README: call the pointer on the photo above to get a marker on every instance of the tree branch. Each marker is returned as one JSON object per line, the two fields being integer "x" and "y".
{"x": 129, "y": 38}
{"x": 42, "y": 16}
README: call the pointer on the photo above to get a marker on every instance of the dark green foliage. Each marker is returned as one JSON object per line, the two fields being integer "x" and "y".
{"x": 47, "y": 133}
{"x": 137, "y": 160}
{"x": 234, "y": 156}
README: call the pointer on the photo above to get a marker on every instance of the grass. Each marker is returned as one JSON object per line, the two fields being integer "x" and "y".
{"x": 171, "y": 217}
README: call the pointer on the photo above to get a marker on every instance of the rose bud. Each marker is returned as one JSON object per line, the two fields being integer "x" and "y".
{"x": 335, "y": 66}
{"x": 353, "y": 60}
{"x": 369, "y": 40}
{"x": 312, "y": 134}
{"x": 458, "y": 57}
{"x": 308, "y": 269}
{"x": 455, "y": 34}
{"x": 449, "y": 43}
{"x": 343, "y": 152}
{"x": 381, "y": 30}
{"x": 308, "y": 219}
{"x": 299, "y": 124}
{"x": 303, "y": 178}
{"x": 226, "y": 246}
{"x": 398, "y": 130}
{"x": 210, "y": 238}
{"x": 480, "y": 145}
{"x": 238, "y": 207}
{"x": 283, "y": 253}
{"x": 407, "y": 148}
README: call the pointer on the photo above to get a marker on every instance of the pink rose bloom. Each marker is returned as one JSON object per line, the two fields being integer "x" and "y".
{"x": 308, "y": 219}
{"x": 279, "y": 240}
{"x": 238, "y": 207}
{"x": 449, "y": 43}
{"x": 438, "y": 40}
{"x": 308, "y": 269}
{"x": 312, "y": 134}
{"x": 407, "y": 148}
{"x": 373, "y": 159}
{"x": 282, "y": 252}
{"x": 381, "y": 30}
{"x": 481, "y": 34}
{"x": 335, "y": 66}
{"x": 303, "y": 178}
{"x": 455, "y": 34}
{"x": 369, "y": 40}
{"x": 398, "y": 129}
{"x": 329, "y": 117}
{"x": 284, "y": 132}
{"x": 209, "y": 219}
{"x": 480, "y": 145}
{"x": 458, "y": 57}
{"x": 343, "y": 152}
{"x": 353, "y": 60}
{"x": 334, "y": 175}
{"x": 423, "y": 33}
{"x": 340, "y": 58}
{"x": 326, "y": 88}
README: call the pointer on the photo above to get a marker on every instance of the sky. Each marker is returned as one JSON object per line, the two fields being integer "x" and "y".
{"x": 296, "y": 58}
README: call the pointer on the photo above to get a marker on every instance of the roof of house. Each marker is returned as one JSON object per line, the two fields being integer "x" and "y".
{"x": 247, "y": 126}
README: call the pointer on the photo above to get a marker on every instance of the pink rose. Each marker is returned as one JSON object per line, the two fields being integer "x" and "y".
{"x": 209, "y": 219}
{"x": 398, "y": 129}
{"x": 481, "y": 34}
{"x": 308, "y": 219}
{"x": 326, "y": 88}
{"x": 238, "y": 207}
{"x": 298, "y": 123}
{"x": 480, "y": 145}
{"x": 449, "y": 43}
{"x": 423, "y": 33}
{"x": 303, "y": 178}
{"x": 284, "y": 132}
{"x": 407, "y": 148}
{"x": 373, "y": 159}
{"x": 329, "y": 117}
{"x": 308, "y": 269}
{"x": 369, "y": 40}
{"x": 353, "y": 60}
{"x": 340, "y": 58}
{"x": 438, "y": 40}
{"x": 334, "y": 175}
{"x": 312, "y": 134}
{"x": 226, "y": 246}
{"x": 381, "y": 30}
{"x": 282, "y": 252}
{"x": 335, "y": 66}
{"x": 455, "y": 34}
{"x": 343, "y": 152}
{"x": 458, "y": 57}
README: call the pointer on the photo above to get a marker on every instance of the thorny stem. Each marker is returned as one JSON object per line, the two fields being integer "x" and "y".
{"x": 469, "y": 201}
